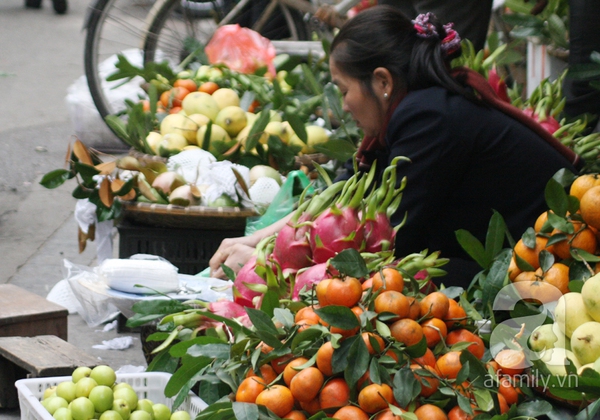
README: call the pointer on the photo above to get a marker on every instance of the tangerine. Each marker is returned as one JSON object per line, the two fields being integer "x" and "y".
{"x": 511, "y": 361}
{"x": 375, "y": 397}
{"x": 540, "y": 221}
{"x": 277, "y": 398}
{"x": 249, "y": 389}
{"x": 456, "y": 316}
{"x": 369, "y": 339}
{"x": 448, "y": 365}
{"x": 335, "y": 393}
{"x": 426, "y": 376}
{"x": 266, "y": 372}
{"x": 414, "y": 308}
{"x": 350, "y": 412}
{"x": 430, "y": 412}
{"x": 394, "y": 302}
{"x": 289, "y": 372}
{"x": 208, "y": 87}
{"x": 188, "y": 84}
{"x": 503, "y": 404}
{"x": 457, "y": 413}
{"x": 558, "y": 276}
{"x": 531, "y": 255}
{"x": 306, "y": 384}
{"x": 321, "y": 291}
{"x": 435, "y": 305}
{"x": 392, "y": 280}
{"x": 582, "y": 184}
{"x": 513, "y": 269}
{"x": 407, "y": 331}
{"x": 348, "y": 333}
{"x": 435, "y": 330}
{"x": 295, "y": 415}
{"x": 508, "y": 391}
{"x": 311, "y": 407}
{"x": 324, "y": 356}
{"x": 388, "y": 414}
{"x": 344, "y": 292}
{"x": 428, "y": 359}
{"x": 173, "y": 97}
{"x": 477, "y": 349}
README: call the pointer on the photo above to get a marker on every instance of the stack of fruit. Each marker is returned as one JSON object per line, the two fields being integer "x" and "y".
{"x": 96, "y": 394}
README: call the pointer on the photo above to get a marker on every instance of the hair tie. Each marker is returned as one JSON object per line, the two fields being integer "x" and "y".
{"x": 451, "y": 43}
{"x": 423, "y": 26}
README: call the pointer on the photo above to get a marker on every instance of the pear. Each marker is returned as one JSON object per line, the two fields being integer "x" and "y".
{"x": 590, "y": 292}
{"x": 570, "y": 313}
{"x": 556, "y": 359}
{"x": 225, "y": 97}
{"x": 542, "y": 338}
{"x": 585, "y": 342}
{"x": 233, "y": 119}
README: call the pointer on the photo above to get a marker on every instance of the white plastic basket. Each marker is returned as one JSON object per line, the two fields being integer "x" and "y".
{"x": 149, "y": 385}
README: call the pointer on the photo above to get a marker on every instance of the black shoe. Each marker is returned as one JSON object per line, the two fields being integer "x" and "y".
{"x": 60, "y": 6}
{"x": 33, "y": 4}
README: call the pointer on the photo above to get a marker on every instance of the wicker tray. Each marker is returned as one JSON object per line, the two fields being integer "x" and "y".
{"x": 197, "y": 217}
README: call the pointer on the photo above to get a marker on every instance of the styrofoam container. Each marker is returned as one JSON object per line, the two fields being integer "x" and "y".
{"x": 150, "y": 385}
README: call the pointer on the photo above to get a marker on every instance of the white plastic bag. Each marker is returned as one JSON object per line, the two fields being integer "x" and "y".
{"x": 157, "y": 275}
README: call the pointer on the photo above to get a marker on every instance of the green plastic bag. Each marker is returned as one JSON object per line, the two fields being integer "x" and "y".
{"x": 283, "y": 203}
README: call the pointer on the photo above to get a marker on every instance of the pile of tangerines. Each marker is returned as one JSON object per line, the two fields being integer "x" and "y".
{"x": 566, "y": 238}
{"x": 407, "y": 342}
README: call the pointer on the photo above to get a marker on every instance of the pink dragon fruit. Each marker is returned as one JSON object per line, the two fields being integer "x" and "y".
{"x": 232, "y": 310}
{"x": 539, "y": 114}
{"x": 246, "y": 276}
{"x": 312, "y": 275}
{"x": 499, "y": 85}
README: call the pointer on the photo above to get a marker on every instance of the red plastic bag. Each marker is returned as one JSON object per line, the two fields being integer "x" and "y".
{"x": 240, "y": 49}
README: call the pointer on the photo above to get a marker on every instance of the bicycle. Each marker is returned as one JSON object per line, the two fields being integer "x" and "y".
{"x": 173, "y": 29}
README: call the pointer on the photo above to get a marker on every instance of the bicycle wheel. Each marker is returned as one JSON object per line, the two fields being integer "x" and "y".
{"x": 175, "y": 30}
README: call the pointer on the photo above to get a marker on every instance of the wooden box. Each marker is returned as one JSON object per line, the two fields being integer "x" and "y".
{"x": 26, "y": 314}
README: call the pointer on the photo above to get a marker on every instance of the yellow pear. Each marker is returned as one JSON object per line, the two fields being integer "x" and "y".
{"x": 225, "y": 97}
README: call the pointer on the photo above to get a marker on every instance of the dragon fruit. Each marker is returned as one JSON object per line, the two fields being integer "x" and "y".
{"x": 499, "y": 85}
{"x": 229, "y": 309}
{"x": 247, "y": 275}
{"x": 312, "y": 275}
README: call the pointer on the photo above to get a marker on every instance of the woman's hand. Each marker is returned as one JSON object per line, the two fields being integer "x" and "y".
{"x": 234, "y": 253}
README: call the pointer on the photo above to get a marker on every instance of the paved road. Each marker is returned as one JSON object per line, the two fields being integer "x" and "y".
{"x": 41, "y": 55}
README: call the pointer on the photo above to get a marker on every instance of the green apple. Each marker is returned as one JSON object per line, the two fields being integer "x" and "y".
{"x": 180, "y": 415}
{"x": 120, "y": 385}
{"x": 127, "y": 394}
{"x": 84, "y": 386}
{"x": 146, "y": 405}
{"x": 63, "y": 414}
{"x": 140, "y": 415}
{"x": 66, "y": 390}
{"x": 161, "y": 411}
{"x": 102, "y": 398}
{"x": 121, "y": 407}
{"x": 110, "y": 415}
{"x": 82, "y": 409}
{"x": 54, "y": 403}
{"x": 80, "y": 372}
{"x": 49, "y": 392}
{"x": 104, "y": 375}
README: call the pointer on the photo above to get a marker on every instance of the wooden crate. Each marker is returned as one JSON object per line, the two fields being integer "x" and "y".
{"x": 26, "y": 314}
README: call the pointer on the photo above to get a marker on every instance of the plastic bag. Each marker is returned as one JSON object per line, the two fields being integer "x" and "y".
{"x": 240, "y": 49}
{"x": 283, "y": 203}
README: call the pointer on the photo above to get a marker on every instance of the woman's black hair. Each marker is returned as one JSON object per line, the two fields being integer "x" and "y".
{"x": 382, "y": 36}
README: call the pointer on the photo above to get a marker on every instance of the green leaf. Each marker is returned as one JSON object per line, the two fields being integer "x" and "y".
{"x": 556, "y": 197}
{"x": 87, "y": 172}
{"x": 339, "y": 149}
{"x": 338, "y": 316}
{"x": 270, "y": 301}
{"x": 157, "y": 306}
{"x": 190, "y": 367}
{"x": 340, "y": 360}
{"x": 181, "y": 349}
{"x": 494, "y": 239}
{"x": 245, "y": 411}
{"x": 534, "y": 409}
{"x": 297, "y": 125}
{"x": 406, "y": 387}
{"x": 284, "y": 316}
{"x": 55, "y": 178}
{"x": 359, "y": 355}
{"x": 265, "y": 328}
{"x": 214, "y": 351}
{"x": 483, "y": 398}
{"x": 589, "y": 412}
{"x": 495, "y": 279}
{"x": 349, "y": 262}
{"x": 473, "y": 247}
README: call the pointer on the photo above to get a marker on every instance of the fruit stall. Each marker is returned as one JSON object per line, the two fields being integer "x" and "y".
{"x": 325, "y": 320}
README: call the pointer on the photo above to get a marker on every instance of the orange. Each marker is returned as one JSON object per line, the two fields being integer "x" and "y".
{"x": 457, "y": 413}
{"x": 503, "y": 404}
{"x": 513, "y": 269}
{"x": 537, "y": 291}
{"x": 308, "y": 315}
{"x": 531, "y": 255}
{"x": 208, "y": 87}
{"x": 392, "y": 280}
{"x": 414, "y": 308}
{"x": 367, "y": 284}
{"x": 435, "y": 305}
{"x": 249, "y": 389}
{"x": 172, "y": 98}
{"x": 387, "y": 414}
{"x": 463, "y": 335}
{"x": 277, "y": 398}
{"x": 435, "y": 330}
{"x": 456, "y": 315}
{"x": 558, "y": 276}
{"x": 345, "y": 292}
{"x": 335, "y": 393}
{"x": 188, "y": 84}
{"x": 539, "y": 223}
{"x": 295, "y": 415}
{"x": 368, "y": 338}
{"x": 582, "y": 184}
{"x": 430, "y": 412}
{"x": 394, "y": 302}
{"x": 448, "y": 365}
{"x": 508, "y": 391}
{"x": 306, "y": 384}
{"x": 583, "y": 238}
{"x": 375, "y": 397}
{"x": 350, "y": 412}
{"x": 321, "y": 291}
{"x": 429, "y": 382}
{"x": 266, "y": 372}
{"x": 324, "y": 355}
{"x": 590, "y": 207}
{"x": 289, "y": 372}
{"x": 311, "y": 407}
{"x": 280, "y": 363}
{"x": 511, "y": 361}
{"x": 407, "y": 331}
{"x": 428, "y": 359}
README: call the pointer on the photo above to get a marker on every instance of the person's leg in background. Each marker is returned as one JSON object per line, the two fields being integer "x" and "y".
{"x": 471, "y": 18}
{"x": 584, "y": 38}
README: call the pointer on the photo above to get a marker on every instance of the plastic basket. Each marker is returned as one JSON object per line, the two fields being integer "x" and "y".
{"x": 150, "y": 385}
